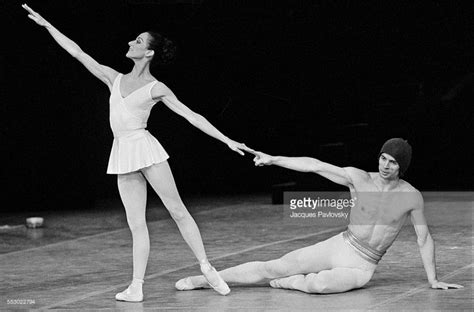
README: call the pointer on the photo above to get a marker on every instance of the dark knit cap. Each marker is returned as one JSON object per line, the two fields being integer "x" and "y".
{"x": 400, "y": 150}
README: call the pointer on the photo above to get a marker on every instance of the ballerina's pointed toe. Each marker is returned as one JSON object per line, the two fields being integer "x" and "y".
{"x": 221, "y": 286}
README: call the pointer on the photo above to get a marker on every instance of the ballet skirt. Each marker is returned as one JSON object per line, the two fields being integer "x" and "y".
{"x": 133, "y": 147}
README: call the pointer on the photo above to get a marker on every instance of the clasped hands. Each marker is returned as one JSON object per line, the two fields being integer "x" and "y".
{"x": 260, "y": 159}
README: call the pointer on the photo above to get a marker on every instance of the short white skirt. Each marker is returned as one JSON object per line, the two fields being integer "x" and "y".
{"x": 134, "y": 150}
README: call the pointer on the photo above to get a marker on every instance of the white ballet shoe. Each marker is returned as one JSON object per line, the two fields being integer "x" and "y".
{"x": 221, "y": 287}
{"x": 130, "y": 296}
{"x": 184, "y": 284}
{"x": 287, "y": 282}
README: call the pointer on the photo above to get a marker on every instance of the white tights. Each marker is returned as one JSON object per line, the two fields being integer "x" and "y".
{"x": 133, "y": 191}
{"x": 330, "y": 266}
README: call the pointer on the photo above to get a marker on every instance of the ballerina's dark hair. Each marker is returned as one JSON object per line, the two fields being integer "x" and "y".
{"x": 165, "y": 50}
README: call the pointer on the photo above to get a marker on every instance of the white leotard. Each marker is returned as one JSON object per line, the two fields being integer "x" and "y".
{"x": 133, "y": 147}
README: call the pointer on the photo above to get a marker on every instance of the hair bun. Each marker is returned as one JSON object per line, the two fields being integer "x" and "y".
{"x": 168, "y": 52}
{"x": 165, "y": 49}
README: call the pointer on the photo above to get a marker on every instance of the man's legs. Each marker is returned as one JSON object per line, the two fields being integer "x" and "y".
{"x": 330, "y": 266}
{"x": 309, "y": 259}
{"x": 325, "y": 282}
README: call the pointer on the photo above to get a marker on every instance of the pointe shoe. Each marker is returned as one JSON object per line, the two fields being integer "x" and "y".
{"x": 128, "y": 296}
{"x": 221, "y": 287}
{"x": 184, "y": 284}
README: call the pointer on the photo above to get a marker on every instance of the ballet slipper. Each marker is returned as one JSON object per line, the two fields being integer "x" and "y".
{"x": 184, "y": 284}
{"x": 209, "y": 273}
{"x": 130, "y": 296}
{"x": 286, "y": 282}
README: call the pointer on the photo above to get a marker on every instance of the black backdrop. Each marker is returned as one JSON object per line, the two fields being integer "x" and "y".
{"x": 327, "y": 79}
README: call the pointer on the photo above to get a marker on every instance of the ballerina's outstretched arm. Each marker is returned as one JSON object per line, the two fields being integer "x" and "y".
{"x": 104, "y": 73}
{"x": 163, "y": 93}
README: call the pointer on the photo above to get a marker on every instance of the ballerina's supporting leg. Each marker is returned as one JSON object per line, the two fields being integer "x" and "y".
{"x": 132, "y": 188}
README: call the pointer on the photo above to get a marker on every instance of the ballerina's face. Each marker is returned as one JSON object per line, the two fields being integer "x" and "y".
{"x": 139, "y": 47}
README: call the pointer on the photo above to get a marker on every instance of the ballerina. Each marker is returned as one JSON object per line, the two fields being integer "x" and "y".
{"x": 136, "y": 156}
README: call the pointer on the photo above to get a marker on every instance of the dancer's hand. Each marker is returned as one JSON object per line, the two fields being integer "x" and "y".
{"x": 239, "y": 147}
{"x": 441, "y": 285}
{"x": 262, "y": 159}
{"x": 35, "y": 16}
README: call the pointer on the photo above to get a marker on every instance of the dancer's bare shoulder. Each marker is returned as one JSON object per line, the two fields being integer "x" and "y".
{"x": 406, "y": 187}
{"x": 411, "y": 198}
{"x": 160, "y": 90}
{"x": 361, "y": 179}
{"x": 358, "y": 175}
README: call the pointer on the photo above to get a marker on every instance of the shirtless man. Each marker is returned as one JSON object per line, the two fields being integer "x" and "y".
{"x": 347, "y": 260}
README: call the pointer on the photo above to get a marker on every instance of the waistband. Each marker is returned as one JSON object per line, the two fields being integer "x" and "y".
{"x": 125, "y": 133}
{"x": 368, "y": 253}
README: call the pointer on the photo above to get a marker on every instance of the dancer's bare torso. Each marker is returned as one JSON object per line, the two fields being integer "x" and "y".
{"x": 378, "y": 216}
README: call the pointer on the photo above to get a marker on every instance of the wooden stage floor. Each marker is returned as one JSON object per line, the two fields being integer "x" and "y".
{"x": 79, "y": 260}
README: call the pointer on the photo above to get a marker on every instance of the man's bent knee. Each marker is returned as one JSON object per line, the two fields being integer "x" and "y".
{"x": 316, "y": 284}
{"x": 328, "y": 282}
{"x": 275, "y": 268}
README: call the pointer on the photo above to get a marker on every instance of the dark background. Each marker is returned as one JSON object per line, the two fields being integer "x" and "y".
{"x": 326, "y": 79}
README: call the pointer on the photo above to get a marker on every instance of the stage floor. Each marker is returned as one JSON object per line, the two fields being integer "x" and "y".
{"x": 79, "y": 260}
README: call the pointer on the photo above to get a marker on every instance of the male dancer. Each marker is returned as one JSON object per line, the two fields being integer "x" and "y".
{"x": 348, "y": 260}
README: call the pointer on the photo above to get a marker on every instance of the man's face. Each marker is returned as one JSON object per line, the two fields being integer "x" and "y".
{"x": 388, "y": 167}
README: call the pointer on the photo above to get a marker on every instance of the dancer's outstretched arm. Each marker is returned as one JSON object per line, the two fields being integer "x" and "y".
{"x": 343, "y": 176}
{"x": 104, "y": 73}
{"x": 163, "y": 93}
